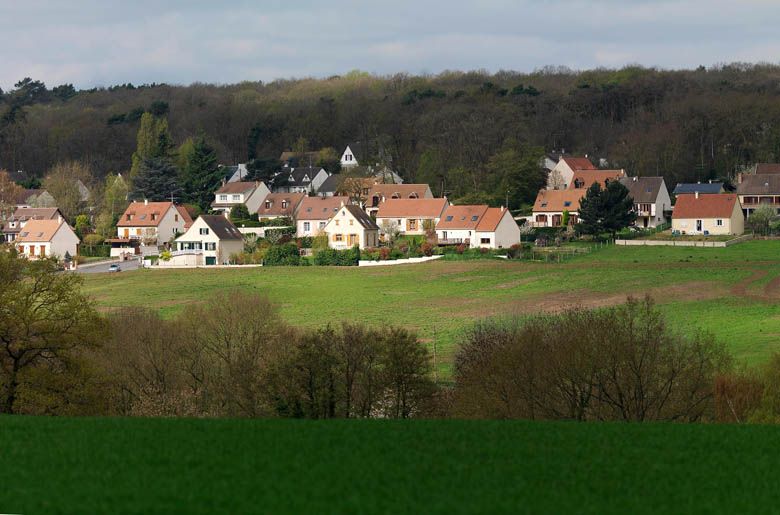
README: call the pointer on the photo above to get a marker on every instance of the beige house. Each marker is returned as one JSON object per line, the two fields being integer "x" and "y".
{"x": 651, "y": 200}
{"x": 47, "y": 238}
{"x": 708, "y": 214}
{"x": 351, "y": 226}
{"x": 755, "y": 191}
{"x": 154, "y": 223}
{"x": 550, "y": 206}
{"x": 232, "y": 194}
{"x": 314, "y": 213}
{"x": 211, "y": 240}
{"x": 410, "y": 216}
{"x": 562, "y": 173}
{"x": 14, "y": 224}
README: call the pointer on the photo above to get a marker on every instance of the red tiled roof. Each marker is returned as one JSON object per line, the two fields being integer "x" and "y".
{"x": 461, "y": 217}
{"x": 578, "y": 163}
{"x": 320, "y": 208}
{"x": 389, "y": 191}
{"x": 406, "y": 207}
{"x": 491, "y": 219}
{"x": 142, "y": 212}
{"x": 719, "y": 205}
{"x": 39, "y": 230}
{"x": 276, "y": 200}
{"x": 556, "y": 200}
{"x": 237, "y": 187}
{"x": 185, "y": 215}
{"x": 588, "y": 177}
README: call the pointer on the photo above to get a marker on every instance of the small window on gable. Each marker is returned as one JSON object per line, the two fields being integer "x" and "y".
{"x": 204, "y": 230}
{"x": 175, "y": 218}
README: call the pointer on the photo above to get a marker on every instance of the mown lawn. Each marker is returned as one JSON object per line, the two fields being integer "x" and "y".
{"x": 731, "y": 292}
{"x": 60, "y": 465}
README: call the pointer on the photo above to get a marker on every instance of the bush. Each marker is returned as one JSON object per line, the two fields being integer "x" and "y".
{"x": 460, "y": 248}
{"x": 622, "y": 363}
{"x": 93, "y": 240}
{"x": 239, "y": 212}
{"x": 282, "y": 255}
{"x": 426, "y": 249}
{"x": 95, "y": 250}
{"x": 304, "y": 242}
{"x": 333, "y": 257}
{"x": 384, "y": 253}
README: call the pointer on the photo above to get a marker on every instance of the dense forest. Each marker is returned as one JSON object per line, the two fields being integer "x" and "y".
{"x": 458, "y": 131}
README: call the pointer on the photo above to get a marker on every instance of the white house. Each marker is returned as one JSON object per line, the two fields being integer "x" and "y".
{"x": 210, "y": 240}
{"x": 718, "y": 213}
{"x": 231, "y": 194}
{"x": 349, "y": 156}
{"x": 44, "y": 238}
{"x": 299, "y": 180}
{"x": 651, "y": 200}
{"x": 477, "y": 226}
{"x": 154, "y": 223}
{"x": 314, "y": 213}
{"x": 562, "y": 173}
{"x": 410, "y": 216}
{"x": 351, "y": 226}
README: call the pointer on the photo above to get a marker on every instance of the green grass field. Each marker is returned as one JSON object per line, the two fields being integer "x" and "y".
{"x": 732, "y": 292}
{"x": 56, "y": 465}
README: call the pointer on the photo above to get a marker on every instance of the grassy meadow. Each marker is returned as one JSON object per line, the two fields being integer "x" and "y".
{"x": 732, "y": 292}
{"x": 110, "y": 465}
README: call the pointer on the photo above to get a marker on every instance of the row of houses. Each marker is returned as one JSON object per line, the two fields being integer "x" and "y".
{"x": 699, "y": 209}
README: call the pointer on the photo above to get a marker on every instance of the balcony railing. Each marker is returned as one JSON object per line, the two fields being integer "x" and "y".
{"x": 453, "y": 241}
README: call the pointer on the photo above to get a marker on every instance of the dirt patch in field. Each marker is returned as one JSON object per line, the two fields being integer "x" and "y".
{"x": 772, "y": 288}
{"x": 554, "y": 302}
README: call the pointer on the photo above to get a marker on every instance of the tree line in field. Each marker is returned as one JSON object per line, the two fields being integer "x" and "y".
{"x": 470, "y": 135}
{"x": 233, "y": 355}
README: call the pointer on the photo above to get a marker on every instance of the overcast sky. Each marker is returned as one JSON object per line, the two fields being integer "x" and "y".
{"x": 104, "y": 42}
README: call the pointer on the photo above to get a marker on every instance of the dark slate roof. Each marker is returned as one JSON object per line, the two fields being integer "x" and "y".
{"x": 296, "y": 176}
{"x": 704, "y": 187}
{"x": 363, "y": 219}
{"x": 331, "y": 184}
{"x": 643, "y": 190}
{"x": 766, "y": 184}
{"x": 358, "y": 150}
{"x": 222, "y": 227}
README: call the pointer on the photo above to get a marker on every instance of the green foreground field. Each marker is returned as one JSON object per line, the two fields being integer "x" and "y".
{"x": 732, "y": 292}
{"x": 57, "y": 465}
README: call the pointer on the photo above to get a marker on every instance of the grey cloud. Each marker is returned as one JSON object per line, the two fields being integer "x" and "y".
{"x": 91, "y": 42}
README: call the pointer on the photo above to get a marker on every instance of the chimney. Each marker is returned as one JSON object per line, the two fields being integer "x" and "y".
{"x": 146, "y": 201}
{"x": 59, "y": 219}
{"x": 502, "y": 209}
{"x": 697, "y": 193}
{"x": 223, "y": 181}
{"x": 342, "y": 203}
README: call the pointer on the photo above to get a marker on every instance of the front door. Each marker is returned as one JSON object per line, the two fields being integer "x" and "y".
{"x": 698, "y": 225}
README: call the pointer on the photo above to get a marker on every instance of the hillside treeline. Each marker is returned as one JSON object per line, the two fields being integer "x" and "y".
{"x": 453, "y": 130}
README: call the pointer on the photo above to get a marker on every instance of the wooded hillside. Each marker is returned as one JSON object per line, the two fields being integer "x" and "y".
{"x": 457, "y": 131}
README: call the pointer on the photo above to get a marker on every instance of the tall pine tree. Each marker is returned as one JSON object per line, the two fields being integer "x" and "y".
{"x": 156, "y": 180}
{"x": 606, "y": 210}
{"x": 200, "y": 175}
{"x": 153, "y": 140}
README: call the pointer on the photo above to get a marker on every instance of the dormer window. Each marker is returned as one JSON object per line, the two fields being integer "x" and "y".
{"x": 223, "y": 198}
{"x": 544, "y": 204}
{"x": 154, "y": 216}
{"x": 284, "y": 204}
{"x": 129, "y": 217}
{"x": 236, "y": 198}
{"x": 413, "y": 195}
{"x": 268, "y": 204}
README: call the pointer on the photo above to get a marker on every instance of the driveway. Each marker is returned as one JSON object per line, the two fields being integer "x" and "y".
{"x": 100, "y": 268}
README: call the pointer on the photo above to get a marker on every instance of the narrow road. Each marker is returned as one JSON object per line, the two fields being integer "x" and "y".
{"x": 125, "y": 266}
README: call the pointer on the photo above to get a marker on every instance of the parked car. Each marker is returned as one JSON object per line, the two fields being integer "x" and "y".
{"x": 114, "y": 268}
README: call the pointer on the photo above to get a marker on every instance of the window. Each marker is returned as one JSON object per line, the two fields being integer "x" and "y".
{"x": 284, "y": 204}
{"x": 175, "y": 218}
{"x": 129, "y": 217}
{"x": 154, "y": 216}
{"x": 449, "y": 218}
{"x": 719, "y": 223}
{"x": 268, "y": 204}
{"x": 211, "y": 245}
{"x": 223, "y": 198}
{"x": 338, "y": 237}
{"x": 351, "y": 222}
{"x": 567, "y": 203}
{"x": 544, "y": 204}
{"x": 337, "y": 223}
{"x": 138, "y": 232}
{"x": 474, "y": 218}
{"x": 203, "y": 230}
{"x": 485, "y": 241}
{"x": 236, "y": 198}
{"x": 306, "y": 226}
{"x": 322, "y": 225}
{"x": 398, "y": 222}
